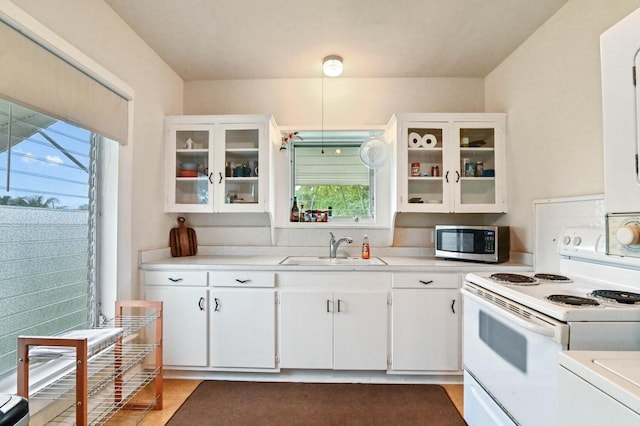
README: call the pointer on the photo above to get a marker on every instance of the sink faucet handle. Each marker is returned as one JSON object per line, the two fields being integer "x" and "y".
{"x": 332, "y": 237}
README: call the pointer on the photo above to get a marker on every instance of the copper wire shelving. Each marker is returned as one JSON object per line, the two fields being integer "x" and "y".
{"x": 117, "y": 378}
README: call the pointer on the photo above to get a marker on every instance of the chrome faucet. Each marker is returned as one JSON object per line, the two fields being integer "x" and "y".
{"x": 333, "y": 244}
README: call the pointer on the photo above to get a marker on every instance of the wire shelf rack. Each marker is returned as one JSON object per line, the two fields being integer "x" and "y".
{"x": 107, "y": 404}
{"x": 114, "y": 367}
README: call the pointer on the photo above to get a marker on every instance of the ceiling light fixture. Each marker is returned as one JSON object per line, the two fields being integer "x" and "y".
{"x": 332, "y": 65}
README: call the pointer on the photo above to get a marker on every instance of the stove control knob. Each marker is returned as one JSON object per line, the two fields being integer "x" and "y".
{"x": 577, "y": 241}
{"x": 566, "y": 240}
{"x": 628, "y": 235}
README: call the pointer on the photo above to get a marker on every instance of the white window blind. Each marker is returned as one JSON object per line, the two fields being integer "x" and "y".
{"x": 32, "y": 75}
{"x": 339, "y": 165}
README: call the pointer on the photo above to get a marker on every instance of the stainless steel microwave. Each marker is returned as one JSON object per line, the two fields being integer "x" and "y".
{"x": 475, "y": 243}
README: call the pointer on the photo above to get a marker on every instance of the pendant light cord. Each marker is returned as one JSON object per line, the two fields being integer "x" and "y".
{"x": 322, "y": 114}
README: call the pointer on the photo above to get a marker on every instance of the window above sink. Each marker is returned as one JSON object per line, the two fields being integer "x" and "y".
{"x": 323, "y": 170}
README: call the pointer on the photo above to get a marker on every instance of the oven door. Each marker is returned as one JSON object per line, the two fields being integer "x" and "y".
{"x": 512, "y": 352}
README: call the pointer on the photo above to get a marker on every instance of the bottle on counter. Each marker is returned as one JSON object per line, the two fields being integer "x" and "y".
{"x": 301, "y": 213}
{"x": 295, "y": 213}
{"x": 366, "y": 249}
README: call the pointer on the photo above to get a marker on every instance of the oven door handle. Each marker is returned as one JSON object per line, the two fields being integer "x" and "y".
{"x": 528, "y": 325}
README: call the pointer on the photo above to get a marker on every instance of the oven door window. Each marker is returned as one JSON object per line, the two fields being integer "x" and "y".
{"x": 510, "y": 345}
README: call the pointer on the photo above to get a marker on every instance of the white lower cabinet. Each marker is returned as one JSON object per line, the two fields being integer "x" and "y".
{"x": 260, "y": 321}
{"x": 243, "y": 328}
{"x": 306, "y": 329}
{"x": 243, "y": 320}
{"x": 185, "y": 327}
{"x": 333, "y": 321}
{"x": 425, "y": 316}
{"x": 360, "y": 331}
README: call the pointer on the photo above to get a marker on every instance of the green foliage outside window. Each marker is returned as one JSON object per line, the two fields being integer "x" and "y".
{"x": 345, "y": 200}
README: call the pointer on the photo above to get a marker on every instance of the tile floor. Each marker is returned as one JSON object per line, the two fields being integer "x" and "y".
{"x": 175, "y": 391}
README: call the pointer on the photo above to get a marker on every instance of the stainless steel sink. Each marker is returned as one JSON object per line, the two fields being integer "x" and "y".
{"x": 325, "y": 261}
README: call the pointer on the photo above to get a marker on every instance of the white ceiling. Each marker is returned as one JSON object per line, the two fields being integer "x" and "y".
{"x": 247, "y": 39}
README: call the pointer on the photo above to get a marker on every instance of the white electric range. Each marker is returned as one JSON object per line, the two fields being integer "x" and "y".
{"x": 565, "y": 297}
{"x": 516, "y": 325}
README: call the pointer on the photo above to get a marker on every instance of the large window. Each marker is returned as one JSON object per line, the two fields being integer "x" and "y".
{"x": 327, "y": 174}
{"x": 47, "y": 227}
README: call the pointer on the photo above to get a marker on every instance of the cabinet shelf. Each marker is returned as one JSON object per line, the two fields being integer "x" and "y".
{"x": 192, "y": 151}
{"x": 480, "y": 149}
{"x": 242, "y": 179}
{"x": 192, "y": 179}
{"x": 241, "y": 150}
{"x": 97, "y": 379}
{"x": 434, "y": 149}
{"x": 478, "y": 178}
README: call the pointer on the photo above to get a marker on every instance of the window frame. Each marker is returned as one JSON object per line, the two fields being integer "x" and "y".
{"x": 385, "y": 181}
{"x": 329, "y": 145}
{"x": 97, "y": 171}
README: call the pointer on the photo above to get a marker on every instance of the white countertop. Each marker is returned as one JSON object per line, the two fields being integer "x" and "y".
{"x": 616, "y": 373}
{"x": 272, "y": 262}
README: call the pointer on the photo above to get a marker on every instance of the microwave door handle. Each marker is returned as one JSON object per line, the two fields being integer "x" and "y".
{"x": 534, "y": 328}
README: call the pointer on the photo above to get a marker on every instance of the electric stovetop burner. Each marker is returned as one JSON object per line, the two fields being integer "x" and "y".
{"x": 554, "y": 278}
{"x": 616, "y": 296}
{"x": 515, "y": 279}
{"x": 569, "y": 300}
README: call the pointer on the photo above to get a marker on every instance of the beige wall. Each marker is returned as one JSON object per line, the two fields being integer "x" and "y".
{"x": 550, "y": 88}
{"x": 347, "y": 101}
{"x": 93, "y": 27}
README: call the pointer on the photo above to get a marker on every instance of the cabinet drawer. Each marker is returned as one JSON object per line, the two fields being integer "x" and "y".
{"x": 425, "y": 280}
{"x": 190, "y": 278}
{"x": 242, "y": 279}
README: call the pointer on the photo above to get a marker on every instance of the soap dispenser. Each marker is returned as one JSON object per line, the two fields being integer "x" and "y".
{"x": 366, "y": 249}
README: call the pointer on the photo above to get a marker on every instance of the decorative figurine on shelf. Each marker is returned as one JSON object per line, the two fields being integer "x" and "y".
{"x": 189, "y": 143}
{"x": 288, "y": 137}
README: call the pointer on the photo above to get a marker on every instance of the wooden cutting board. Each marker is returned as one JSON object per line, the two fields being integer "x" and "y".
{"x": 182, "y": 240}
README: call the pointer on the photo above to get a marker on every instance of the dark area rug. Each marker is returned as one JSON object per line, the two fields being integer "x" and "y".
{"x": 260, "y": 403}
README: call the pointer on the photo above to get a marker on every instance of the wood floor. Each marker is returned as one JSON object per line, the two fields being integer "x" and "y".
{"x": 175, "y": 391}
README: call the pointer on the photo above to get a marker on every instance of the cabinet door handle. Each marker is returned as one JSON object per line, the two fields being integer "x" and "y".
{"x": 446, "y": 176}
{"x": 211, "y": 178}
{"x": 220, "y": 181}
{"x": 426, "y": 282}
{"x": 175, "y": 280}
{"x": 201, "y": 303}
{"x": 453, "y": 304}
{"x": 217, "y": 302}
{"x": 328, "y": 305}
{"x": 457, "y": 176}
{"x": 242, "y": 281}
{"x": 339, "y": 304}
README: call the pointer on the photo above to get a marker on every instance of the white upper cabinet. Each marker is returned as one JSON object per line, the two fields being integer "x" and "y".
{"x": 189, "y": 154}
{"x": 451, "y": 163}
{"x": 218, "y": 163}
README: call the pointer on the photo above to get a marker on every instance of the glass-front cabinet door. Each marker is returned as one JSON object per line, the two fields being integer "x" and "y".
{"x": 423, "y": 168}
{"x": 481, "y": 169}
{"x": 188, "y": 186}
{"x": 239, "y": 151}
